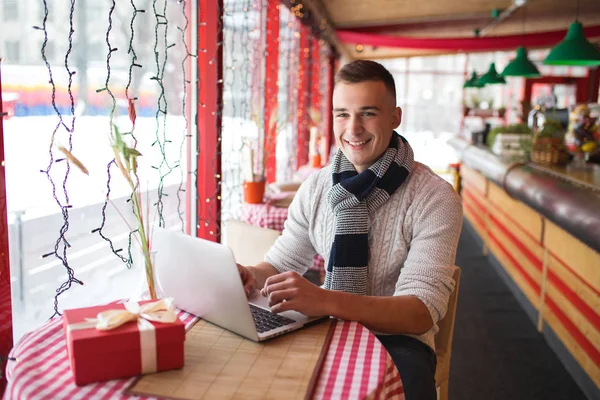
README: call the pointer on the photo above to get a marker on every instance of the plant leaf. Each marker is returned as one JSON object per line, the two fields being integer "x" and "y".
{"x": 133, "y": 152}
{"x": 74, "y": 160}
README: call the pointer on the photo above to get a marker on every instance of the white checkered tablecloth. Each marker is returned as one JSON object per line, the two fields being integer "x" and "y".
{"x": 268, "y": 216}
{"x": 356, "y": 366}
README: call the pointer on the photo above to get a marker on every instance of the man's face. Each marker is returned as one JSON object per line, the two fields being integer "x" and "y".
{"x": 364, "y": 116}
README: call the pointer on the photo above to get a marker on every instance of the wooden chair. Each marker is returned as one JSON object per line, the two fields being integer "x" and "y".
{"x": 248, "y": 243}
{"x": 443, "y": 342}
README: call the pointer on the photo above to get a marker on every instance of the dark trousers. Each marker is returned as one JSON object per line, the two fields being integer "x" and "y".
{"x": 416, "y": 363}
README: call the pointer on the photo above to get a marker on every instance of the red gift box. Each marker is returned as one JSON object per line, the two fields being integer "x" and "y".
{"x": 131, "y": 349}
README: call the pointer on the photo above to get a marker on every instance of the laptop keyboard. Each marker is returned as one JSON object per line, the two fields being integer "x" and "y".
{"x": 266, "y": 320}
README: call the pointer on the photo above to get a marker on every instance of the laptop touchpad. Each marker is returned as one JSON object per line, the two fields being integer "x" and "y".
{"x": 259, "y": 300}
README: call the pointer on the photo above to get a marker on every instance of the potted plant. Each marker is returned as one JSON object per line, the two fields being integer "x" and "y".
{"x": 511, "y": 142}
{"x": 501, "y": 112}
{"x": 520, "y": 128}
{"x": 256, "y": 158}
{"x": 126, "y": 160}
{"x": 548, "y": 144}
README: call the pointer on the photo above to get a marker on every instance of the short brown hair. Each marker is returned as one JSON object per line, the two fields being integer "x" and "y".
{"x": 366, "y": 70}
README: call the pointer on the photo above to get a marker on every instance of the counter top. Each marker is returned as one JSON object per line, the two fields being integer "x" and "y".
{"x": 587, "y": 177}
{"x": 567, "y": 196}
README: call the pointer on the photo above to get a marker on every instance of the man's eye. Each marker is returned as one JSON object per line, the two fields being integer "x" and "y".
{"x": 368, "y": 114}
{"x": 341, "y": 115}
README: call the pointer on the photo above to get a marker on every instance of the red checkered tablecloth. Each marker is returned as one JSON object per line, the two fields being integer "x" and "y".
{"x": 356, "y": 366}
{"x": 268, "y": 216}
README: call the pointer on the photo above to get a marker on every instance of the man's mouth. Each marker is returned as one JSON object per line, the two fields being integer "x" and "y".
{"x": 356, "y": 143}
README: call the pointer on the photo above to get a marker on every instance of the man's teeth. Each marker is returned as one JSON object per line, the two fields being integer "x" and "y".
{"x": 356, "y": 143}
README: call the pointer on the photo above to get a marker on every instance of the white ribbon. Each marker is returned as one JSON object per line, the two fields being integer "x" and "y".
{"x": 162, "y": 311}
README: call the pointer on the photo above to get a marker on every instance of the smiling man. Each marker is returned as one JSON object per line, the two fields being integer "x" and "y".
{"x": 386, "y": 225}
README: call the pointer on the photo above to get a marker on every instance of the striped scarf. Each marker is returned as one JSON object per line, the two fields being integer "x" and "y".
{"x": 352, "y": 197}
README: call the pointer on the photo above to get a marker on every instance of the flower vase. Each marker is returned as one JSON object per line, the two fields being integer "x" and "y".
{"x": 315, "y": 160}
{"x": 254, "y": 192}
{"x": 143, "y": 292}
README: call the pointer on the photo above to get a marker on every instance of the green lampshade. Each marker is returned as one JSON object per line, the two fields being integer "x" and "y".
{"x": 574, "y": 49}
{"x": 521, "y": 66}
{"x": 492, "y": 77}
{"x": 472, "y": 81}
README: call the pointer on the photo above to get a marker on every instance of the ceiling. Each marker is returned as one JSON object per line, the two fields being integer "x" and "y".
{"x": 450, "y": 19}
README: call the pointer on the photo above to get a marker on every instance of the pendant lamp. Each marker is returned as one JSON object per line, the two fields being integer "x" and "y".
{"x": 492, "y": 77}
{"x": 472, "y": 82}
{"x": 575, "y": 49}
{"x": 521, "y": 66}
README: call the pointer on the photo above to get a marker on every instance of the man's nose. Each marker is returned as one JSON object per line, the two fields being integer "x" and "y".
{"x": 355, "y": 125}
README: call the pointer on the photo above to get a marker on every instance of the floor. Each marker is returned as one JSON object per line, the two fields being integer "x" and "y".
{"x": 497, "y": 351}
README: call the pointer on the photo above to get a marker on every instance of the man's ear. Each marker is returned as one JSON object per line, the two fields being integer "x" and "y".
{"x": 396, "y": 117}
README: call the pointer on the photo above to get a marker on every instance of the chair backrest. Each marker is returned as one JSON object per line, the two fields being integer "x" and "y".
{"x": 249, "y": 243}
{"x": 443, "y": 339}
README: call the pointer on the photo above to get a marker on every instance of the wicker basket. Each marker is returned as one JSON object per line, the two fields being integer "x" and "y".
{"x": 549, "y": 153}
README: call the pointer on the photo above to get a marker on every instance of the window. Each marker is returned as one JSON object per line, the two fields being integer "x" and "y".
{"x": 10, "y": 10}
{"x": 50, "y": 51}
{"x": 42, "y": 12}
{"x": 97, "y": 52}
{"x": 13, "y": 51}
{"x": 35, "y": 218}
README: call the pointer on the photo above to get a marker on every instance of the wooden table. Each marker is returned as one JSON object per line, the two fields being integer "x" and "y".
{"x": 356, "y": 366}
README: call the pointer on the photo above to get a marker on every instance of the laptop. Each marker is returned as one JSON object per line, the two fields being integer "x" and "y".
{"x": 202, "y": 278}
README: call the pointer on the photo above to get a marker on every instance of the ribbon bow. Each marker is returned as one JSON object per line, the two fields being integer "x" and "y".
{"x": 158, "y": 311}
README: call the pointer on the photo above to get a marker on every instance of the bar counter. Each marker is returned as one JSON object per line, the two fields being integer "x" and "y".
{"x": 567, "y": 196}
{"x": 540, "y": 228}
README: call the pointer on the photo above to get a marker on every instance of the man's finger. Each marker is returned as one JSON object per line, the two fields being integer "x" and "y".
{"x": 283, "y": 306}
{"x": 275, "y": 279}
{"x": 274, "y": 287}
{"x": 281, "y": 295}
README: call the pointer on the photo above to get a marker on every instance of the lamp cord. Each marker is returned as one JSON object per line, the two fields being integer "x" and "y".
{"x": 523, "y": 25}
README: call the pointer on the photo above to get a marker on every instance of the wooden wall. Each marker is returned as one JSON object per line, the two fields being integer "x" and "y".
{"x": 558, "y": 274}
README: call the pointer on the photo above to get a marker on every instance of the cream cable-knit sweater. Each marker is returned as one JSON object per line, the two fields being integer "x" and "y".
{"x": 412, "y": 239}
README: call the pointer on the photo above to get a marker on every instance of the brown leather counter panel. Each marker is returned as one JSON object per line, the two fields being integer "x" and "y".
{"x": 569, "y": 198}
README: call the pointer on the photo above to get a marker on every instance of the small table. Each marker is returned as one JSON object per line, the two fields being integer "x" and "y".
{"x": 356, "y": 366}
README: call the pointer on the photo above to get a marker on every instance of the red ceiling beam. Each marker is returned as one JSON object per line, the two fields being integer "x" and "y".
{"x": 531, "y": 40}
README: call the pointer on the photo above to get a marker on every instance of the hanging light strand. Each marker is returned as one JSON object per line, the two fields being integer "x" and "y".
{"x": 61, "y": 245}
{"x": 127, "y": 260}
{"x": 185, "y": 132}
{"x": 164, "y": 169}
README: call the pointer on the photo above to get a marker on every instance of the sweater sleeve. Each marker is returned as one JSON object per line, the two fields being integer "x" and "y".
{"x": 428, "y": 269}
{"x": 293, "y": 250}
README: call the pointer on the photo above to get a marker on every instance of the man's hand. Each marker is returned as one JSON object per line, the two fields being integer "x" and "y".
{"x": 248, "y": 279}
{"x": 290, "y": 291}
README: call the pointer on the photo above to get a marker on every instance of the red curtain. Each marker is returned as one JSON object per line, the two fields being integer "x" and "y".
{"x": 209, "y": 119}
{"x": 303, "y": 85}
{"x": 271, "y": 90}
{"x": 6, "y": 336}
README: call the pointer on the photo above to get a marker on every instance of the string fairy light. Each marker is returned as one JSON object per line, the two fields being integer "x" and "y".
{"x": 61, "y": 245}
{"x": 65, "y": 126}
{"x": 185, "y": 83}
